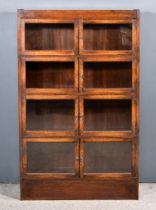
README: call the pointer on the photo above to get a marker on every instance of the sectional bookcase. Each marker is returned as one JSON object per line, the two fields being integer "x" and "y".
{"x": 78, "y": 103}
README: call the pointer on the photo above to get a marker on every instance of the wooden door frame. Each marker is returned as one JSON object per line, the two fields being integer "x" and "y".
{"x": 23, "y": 50}
{"x": 36, "y": 175}
{"x": 84, "y": 21}
{"x": 104, "y": 175}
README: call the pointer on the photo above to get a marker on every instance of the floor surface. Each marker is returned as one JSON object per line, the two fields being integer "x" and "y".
{"x": 9, "y": 200}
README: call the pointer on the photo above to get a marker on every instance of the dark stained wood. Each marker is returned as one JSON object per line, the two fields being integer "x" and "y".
{"x": 49, "y": 36}
{"x": 107, "y": 115}
{"x": 50, "y": 115}
{"x": 108, "y": 134}
{"x": 82, "y": 190}
{"x": 110, "y": 37}
{"x": 72, "y": 14}
{"x": 107, "y": 75}
{"x": 78, "y": 79}
{"x": 49, "y": 75}
{"x": 123, "y": 93}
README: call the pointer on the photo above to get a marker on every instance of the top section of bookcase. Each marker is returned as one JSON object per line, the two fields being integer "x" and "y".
{"x": 87, "y": 14}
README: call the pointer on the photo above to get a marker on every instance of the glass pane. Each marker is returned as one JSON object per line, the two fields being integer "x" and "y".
{"x": 106, "y": 115}
{"x": 50, "y": 157}
{"x": 107, "y": 37}
{"x": 49, "y": 74}
{"x": 107, "y": 157}
{"x": 107, "y": 74}
{"x": 52, "y": 115}
{"x": 49, "y": 36}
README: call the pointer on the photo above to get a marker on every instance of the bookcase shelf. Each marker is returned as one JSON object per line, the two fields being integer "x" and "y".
{"x": 50, "y": 115}
{"x": 107, "y": 115}
{"x": 110, "y": 36}
{"x": 107, "y": 75}
{"x": 47, "y": 36}
{"x": 49, "y": 74}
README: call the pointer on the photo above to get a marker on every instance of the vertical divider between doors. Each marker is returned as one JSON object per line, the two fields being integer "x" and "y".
{"x": 76, "y": 36}
{"x": 81, "y": 111}
{"x": 81, "y": 158}
{"x": 80, "y": 35}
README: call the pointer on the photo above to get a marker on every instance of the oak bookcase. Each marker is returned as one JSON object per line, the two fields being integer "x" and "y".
{"x": 78, "y": 103}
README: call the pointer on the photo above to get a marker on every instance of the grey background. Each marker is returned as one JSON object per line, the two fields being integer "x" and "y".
{"x": 9, "y": 152}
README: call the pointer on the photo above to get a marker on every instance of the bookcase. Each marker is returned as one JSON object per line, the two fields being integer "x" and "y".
{"x": 78, "y": 84}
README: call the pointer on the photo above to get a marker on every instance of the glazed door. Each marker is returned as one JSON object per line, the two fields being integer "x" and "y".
{"x": 108, "y": 105}
{"x": 49, "y": 87}
{"x": 50, "y": 158}
{"x": 79, "y": 90}
{"x": 106, "y": 158}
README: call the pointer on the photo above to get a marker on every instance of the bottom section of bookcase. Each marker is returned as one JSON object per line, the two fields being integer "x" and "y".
{"x": 40, "y": 189}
